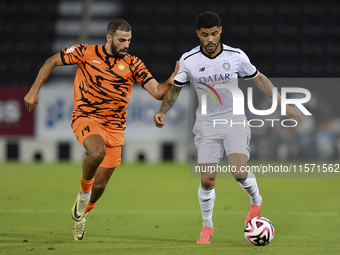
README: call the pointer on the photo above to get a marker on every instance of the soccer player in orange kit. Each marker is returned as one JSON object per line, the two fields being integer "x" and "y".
{"x": 102, "y": 89}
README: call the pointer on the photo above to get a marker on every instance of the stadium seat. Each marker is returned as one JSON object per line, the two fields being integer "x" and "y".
{"x": 22, "y": 30}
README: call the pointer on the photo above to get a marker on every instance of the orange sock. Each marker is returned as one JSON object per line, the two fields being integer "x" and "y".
{"x": 90, "y": 207}
{"x": 86, "y": 185}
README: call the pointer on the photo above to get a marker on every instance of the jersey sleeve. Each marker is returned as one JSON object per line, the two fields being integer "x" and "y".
{"x": 74, "y": 54}
{"x": 141, "y": 74}
{"x": 246, "y": 69}
{"x": 182, "y": 75}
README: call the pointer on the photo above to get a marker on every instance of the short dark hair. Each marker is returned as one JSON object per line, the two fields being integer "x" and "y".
{"x": 118, "y": 24}
{"x": 208, "y": 20}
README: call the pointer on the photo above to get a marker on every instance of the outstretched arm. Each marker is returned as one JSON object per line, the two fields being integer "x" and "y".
{"x": 32, "y": 97}
{"x": 169, "y": 100}
{"x": 264, "y": 84}
{"x": 158, "y": 90}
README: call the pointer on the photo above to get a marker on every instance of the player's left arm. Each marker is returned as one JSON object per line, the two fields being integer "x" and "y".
{"x": 265, "y": 85}
{"x": 158, "y": 90}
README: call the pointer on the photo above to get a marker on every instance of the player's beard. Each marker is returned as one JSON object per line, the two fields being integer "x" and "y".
{"x": 213, "y": 50}
{"x": 116, "y": 52}
{"x": 209, "y": 50}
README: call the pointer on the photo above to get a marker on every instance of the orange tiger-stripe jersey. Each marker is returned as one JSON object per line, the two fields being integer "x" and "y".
{"x": 102, "y": 86}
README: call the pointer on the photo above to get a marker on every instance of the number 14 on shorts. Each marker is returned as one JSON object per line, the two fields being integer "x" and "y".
{"x": 87, "y": 128}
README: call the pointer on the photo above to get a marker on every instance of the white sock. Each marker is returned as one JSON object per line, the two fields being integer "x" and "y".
{"x": 206, "y": 198}
{"x": 249, "y": 185}
{"x": 86, "y": 194}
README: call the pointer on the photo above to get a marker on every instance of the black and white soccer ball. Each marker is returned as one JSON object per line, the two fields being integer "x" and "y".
{"x": 259, "y": 231}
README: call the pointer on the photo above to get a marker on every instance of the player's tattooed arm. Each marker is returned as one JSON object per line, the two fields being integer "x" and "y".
{"x": 170, "y": 98}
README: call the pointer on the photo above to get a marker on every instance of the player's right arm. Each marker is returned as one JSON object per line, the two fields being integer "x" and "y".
{"x": 170, "y": 97}
{"x": 32, "y": 97}
{"x": 169, "y": 100}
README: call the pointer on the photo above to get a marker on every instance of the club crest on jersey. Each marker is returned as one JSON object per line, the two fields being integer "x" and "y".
{"x": 226, "y": 66}
{"x": 121, "y": 67}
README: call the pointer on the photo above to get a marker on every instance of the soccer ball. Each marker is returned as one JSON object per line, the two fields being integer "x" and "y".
{"x": 259, "y": 231}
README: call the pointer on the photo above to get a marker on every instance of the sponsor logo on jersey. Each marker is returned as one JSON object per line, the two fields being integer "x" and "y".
{"x": 96, "y": 61}
{"x": 208, "y": 92}
{"x": 216, "y": 78}
{"x": 70, "y": 50}
{"x": 202, "y": 69}
{"x": 121, "y": 67}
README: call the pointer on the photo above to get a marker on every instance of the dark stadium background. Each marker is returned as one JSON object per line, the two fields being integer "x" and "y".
{"x": 284, "y": 39}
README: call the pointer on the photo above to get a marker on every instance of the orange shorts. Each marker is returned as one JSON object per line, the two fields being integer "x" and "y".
{"x": 84, "y": 127}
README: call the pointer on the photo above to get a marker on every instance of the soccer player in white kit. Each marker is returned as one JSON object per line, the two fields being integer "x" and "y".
{"x": 208, "y": 67}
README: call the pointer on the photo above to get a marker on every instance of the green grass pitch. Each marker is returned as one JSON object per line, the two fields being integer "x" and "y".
{"x": 153, "y": 209}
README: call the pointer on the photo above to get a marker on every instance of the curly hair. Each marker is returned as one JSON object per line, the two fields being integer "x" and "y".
{"x": 208, "y": 20}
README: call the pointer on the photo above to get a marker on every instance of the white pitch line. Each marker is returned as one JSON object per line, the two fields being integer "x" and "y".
{"x": 313, "y": 214}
